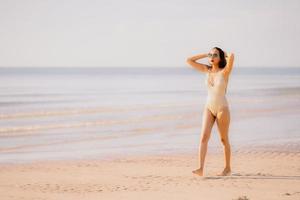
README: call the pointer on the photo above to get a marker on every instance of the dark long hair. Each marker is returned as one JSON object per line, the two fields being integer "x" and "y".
{"x": 222, "y": 62}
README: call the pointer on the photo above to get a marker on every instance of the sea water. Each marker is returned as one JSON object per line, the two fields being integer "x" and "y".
{"x": 74, "y": 113}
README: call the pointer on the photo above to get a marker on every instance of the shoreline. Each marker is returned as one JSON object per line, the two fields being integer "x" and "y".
{"x": 287, "y": 146}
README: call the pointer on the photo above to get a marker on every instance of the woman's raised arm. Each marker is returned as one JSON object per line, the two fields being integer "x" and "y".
{"x": 229, "y": 65}
{"x": 199, "y": 66}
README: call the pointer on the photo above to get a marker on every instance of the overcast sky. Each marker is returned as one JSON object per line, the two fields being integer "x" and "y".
{"x": 144, "y": 33}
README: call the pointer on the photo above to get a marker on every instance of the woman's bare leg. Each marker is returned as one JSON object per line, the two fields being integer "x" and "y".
{"x": 223, "y": 121}
{"x": 208, "y": 120}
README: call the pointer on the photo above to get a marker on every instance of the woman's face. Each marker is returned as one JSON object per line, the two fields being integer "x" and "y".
{"x": 214, "y": 57}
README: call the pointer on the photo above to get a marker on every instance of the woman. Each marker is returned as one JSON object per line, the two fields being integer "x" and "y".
{"x": 216, "y": 106}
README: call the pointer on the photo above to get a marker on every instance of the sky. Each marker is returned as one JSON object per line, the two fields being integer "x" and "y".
{"x": 140, "y": 33}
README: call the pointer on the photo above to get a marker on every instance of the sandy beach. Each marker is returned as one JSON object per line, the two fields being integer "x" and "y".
{"x": 256, "y": 174}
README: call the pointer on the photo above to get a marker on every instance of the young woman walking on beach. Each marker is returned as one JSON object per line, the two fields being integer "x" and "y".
{"x": 216, "y": 106}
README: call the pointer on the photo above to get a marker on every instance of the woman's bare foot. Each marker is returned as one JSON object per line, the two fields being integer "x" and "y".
{"x": 226, "y": 171}
{"x": 198, "y": 171}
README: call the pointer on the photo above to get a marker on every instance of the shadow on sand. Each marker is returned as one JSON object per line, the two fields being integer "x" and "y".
{"x": 252, "y": 176}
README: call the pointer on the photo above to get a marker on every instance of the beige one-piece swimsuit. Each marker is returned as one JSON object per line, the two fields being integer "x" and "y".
{"x": 216, "y": 87}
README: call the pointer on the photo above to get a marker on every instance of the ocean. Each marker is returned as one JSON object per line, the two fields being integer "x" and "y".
{"x": 80, "y": 113}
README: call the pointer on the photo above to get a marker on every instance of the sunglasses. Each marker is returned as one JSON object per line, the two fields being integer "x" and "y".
{"x": 215, "y": 55}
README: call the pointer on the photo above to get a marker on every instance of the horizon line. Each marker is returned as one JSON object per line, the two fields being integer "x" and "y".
{"x": 243, "y": 66}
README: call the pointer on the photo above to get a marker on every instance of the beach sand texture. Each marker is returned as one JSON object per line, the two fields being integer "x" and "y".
{"x": 256, "y": 174}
